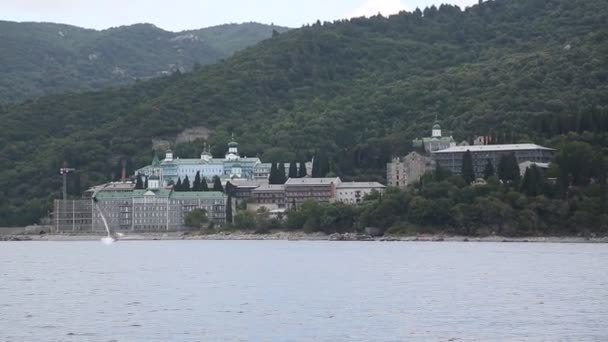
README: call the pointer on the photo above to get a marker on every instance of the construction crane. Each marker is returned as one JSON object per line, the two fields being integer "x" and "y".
{"x": 64, "y": 172}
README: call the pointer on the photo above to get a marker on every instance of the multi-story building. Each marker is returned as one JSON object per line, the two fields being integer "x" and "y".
{"x": 271, "y": 196}
{"x": 355, "y": 192}
{"x": 136, "y": 210}
{"x": 451, "y": 158}
{"x": 402, "y": 172}
{"x": 299, "y": 190}
{"x": 230, "y": 167}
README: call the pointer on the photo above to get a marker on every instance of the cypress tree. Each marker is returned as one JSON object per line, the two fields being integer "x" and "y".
{"x": 217, "y": 184}
{"x": 204, "y": 186}
{"x": 146, "y": 183}
{"x": 293, "y": 169}
{"x": 302, "y": 170}
{"x": 315, "y": 166}
{"x": 467, "y": 167}
{"x": 488, "y": 171}
{"x": 281, "y": 176}
{"x": 272, "y": 178}
{"x": 508, "y": 168}
{"x": 197, "y": 186}
{"x": 178, "y": 186}
{"x": 186, "y": 184}
{"x": 229, "y": 208}
{"x": 139, "y": 183}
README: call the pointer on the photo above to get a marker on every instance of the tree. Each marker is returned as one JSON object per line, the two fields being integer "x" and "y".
{"x": 197, "y": 185}
{"x": 217, "y": 184}
{"x": 281, "y": 176}
{"x": 204, "y": 185}
{"x": 532, "y": 183}
{"x": 229, "y": 206}
{"x": 146, "y": 183}
{"x": 467, "y": 171}
{"x": 488, "y": 171}
{"x": 272, "y": 178}
{"x": 302, "y": 170}
{"x": 196, "y": 218}
{"x": 293, "y": 169}
{"x": 178, "y": 186}
{"x": 508, "y": 168}
{"x": 186, "y": 184}
{"x": 139, "y": 184}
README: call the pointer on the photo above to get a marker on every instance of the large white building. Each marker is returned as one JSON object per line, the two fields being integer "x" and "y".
{"x": 355, "y": 192}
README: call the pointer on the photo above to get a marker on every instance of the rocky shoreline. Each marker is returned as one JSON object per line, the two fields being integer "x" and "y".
{"x": 300, "y": 236}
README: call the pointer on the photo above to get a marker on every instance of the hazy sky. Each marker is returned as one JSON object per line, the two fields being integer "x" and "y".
{"x": 177, "y": 15}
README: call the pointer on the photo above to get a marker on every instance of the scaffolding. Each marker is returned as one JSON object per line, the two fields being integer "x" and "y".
{"x": 72, "y": 216}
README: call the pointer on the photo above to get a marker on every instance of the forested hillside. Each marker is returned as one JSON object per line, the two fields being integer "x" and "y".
{"x": 43, "y": 58}
{"x": 356, "y": 90}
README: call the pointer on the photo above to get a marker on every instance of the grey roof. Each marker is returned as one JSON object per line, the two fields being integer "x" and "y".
{"x": 269, "y": 187}
{"x": 494, "y": 148}
{"x": 313, "y": 181}
{"x": 359, "y": 185}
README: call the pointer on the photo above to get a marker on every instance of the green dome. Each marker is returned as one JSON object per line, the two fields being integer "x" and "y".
{"x": 233, "y": 144}
{"x": 436, "y": 126}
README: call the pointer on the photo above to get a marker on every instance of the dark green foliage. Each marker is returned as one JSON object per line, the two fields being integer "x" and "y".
{"x": 146, "y": 183}
{"x": 293, "y": 169}
{"x": 178, "y": 186}
{"x": 359, "y": 90}
{"x": 43, "y": 58}
{"x": 302, "y": 170}
{"x": 217, "y": 184}
{"x": 139, "y": 184}
{"x": 273, "y": 177}
{"x": 533, "y": 182}
{"x": 186, "y": 185}
{"x": 467, "y": 171}
{"x": 229, "y": 191}
{"x": 197, "y": 184}
{"x": 488, "y": 171}
{"x": 508, "y": 168}
{"x": 281, "y": 175}
{"x": 196, "y": 218}
{"x": 204, "y": 185}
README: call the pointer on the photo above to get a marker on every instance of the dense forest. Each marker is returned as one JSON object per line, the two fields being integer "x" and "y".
{"x": 355, "y": 90}
{"x": 44, "y": 58}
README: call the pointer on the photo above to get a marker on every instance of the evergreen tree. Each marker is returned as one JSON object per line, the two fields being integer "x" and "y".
{"x": 440, "y": 173}
{"x": 217, "y": 184}
{"x": 229, "y": 207}
{"x": 533, "y": 183}
{"x": 186, "y": 184}
{"x": 508, "y": 168}
{"x": 293, "y": 169}
{"x": 230, "y": 189}
{"x": 178, "y": 186}
{"x": 281, "y": 176}
{"x": 139, "y": 183}
{"x": 302, "y": 170}
{"x": 146, "y": 183}
{"x": 315, "y": 166}
{"x": 467, "y": 171}
{"x": 204, "y": 185}
{"x": 197, "y": 186}
{"x": 272, "y": 178}
{"x": 488, "y": 171}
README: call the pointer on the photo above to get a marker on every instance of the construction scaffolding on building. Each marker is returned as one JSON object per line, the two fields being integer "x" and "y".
{"x": 72, "y": 216}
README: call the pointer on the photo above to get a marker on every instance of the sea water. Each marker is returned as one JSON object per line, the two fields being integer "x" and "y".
{"x": 302, "y": 291}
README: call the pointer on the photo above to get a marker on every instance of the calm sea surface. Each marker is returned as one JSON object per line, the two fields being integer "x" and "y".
{"x": 302, "y": 291}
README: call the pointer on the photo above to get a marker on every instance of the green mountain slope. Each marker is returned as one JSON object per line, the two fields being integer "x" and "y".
{"x": 358, "y": 90}
{"x": 43, "y": 58}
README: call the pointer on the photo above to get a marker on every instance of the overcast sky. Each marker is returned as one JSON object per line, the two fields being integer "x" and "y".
{"x": 177, "y": 15}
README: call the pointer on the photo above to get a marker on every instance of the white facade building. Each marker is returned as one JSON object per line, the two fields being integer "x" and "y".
{"x": 355, "y": 192}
